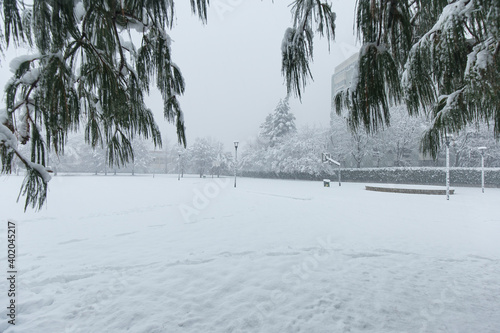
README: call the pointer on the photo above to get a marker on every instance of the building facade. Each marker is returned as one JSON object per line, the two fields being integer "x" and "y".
{"x": 342, "y": 77}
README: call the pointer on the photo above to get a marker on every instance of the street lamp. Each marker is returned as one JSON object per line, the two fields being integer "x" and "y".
{"x": 235, "y": 160}
{"x": 106, "y": 162}
{"x": 447, "y": 141}
{"x": 154, "y": 165}
{"x": 179, "y": 167}
{"x": 481, "y": 150}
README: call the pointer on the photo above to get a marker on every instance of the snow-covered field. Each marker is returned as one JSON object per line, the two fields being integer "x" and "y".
{"x": 144, "y": 254}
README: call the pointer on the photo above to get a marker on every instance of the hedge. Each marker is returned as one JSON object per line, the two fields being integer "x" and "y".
{"x": 424, "y": 176}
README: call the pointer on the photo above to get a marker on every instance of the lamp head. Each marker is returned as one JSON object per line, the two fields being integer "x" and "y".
{"x": 448, "y": 138}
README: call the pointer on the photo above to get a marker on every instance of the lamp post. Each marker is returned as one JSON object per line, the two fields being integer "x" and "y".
{"x": 179, "y": 167}
{"x": 154, "y": 166}
{"x": 106, "y": 162}
{"x": 481, "y": 150}
{"x": 235, "y": 160}
{"x": 447, "y": 142}
{"x": 340, "y": 182}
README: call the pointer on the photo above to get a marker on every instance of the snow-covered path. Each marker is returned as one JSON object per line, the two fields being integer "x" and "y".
{"x": 144, "y": 254}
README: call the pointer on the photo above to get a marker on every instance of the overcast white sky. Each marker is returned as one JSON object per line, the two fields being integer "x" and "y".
{"x": 232, "y": 68}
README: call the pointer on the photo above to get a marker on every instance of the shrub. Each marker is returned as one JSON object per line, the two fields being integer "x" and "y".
{"x": 424, "y": 176}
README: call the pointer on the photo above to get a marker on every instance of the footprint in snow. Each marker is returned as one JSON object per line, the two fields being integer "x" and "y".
{"x": 125, "y": 234}
{"x": 364, "y": 255}
{"x": 72, "y": 241}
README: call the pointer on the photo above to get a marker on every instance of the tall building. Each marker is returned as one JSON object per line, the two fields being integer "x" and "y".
{"x": 342, "y": 77}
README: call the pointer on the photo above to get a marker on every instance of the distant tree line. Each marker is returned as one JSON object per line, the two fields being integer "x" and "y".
{"x": 281, "y": 148}
{"x": 205, "y": 156}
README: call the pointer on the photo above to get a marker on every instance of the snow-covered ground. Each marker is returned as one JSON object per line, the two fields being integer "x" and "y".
{"x": 144, "y": 254}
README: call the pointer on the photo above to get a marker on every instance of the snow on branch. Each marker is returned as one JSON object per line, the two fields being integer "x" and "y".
{"x": 449, "y": 102}
{"x": 18, "y": 61}
{"x": 7, "y": 138}
{"x": 481, "y": 57}
{"x": 448, "y": 117}
{"x": 453, "y": 15}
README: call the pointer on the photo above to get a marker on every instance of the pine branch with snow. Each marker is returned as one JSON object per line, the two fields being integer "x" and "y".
{"x": 86, "y": 72}
{"x": 439, "y": 57}
{"x": 297, "y": 45}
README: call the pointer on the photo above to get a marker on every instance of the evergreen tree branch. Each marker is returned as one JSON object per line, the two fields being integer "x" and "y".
{"x": 200, "y": 7}
{"x": 435, "y": 65}
{"x": 297, "y": 44}
{"x": 12, "y": 22}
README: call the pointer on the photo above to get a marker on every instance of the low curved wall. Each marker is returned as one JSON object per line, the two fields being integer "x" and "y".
{"x": 409, "y": 190}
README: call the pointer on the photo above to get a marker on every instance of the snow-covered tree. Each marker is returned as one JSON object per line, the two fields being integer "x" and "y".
{"x": 255, "y": 155}
{"x": 202, "y": 155}
{"x": 359, "y": 147}
{"x": 299, "y": 153}
{"x": 143, "y": 159}
{"x": 338, "y": 140}
{"x": 402, "y": 137}
{"x": 278, "y": 124}
{"x": 347, "y": 146}
{"x": 78, "y": 157}
{"x": 222, "y": 160}
{"x": 85, "y": 71}
{"x": 396, "y": 145}
{"x": 436, "y": 56}
{"x": 463, "y": 148}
